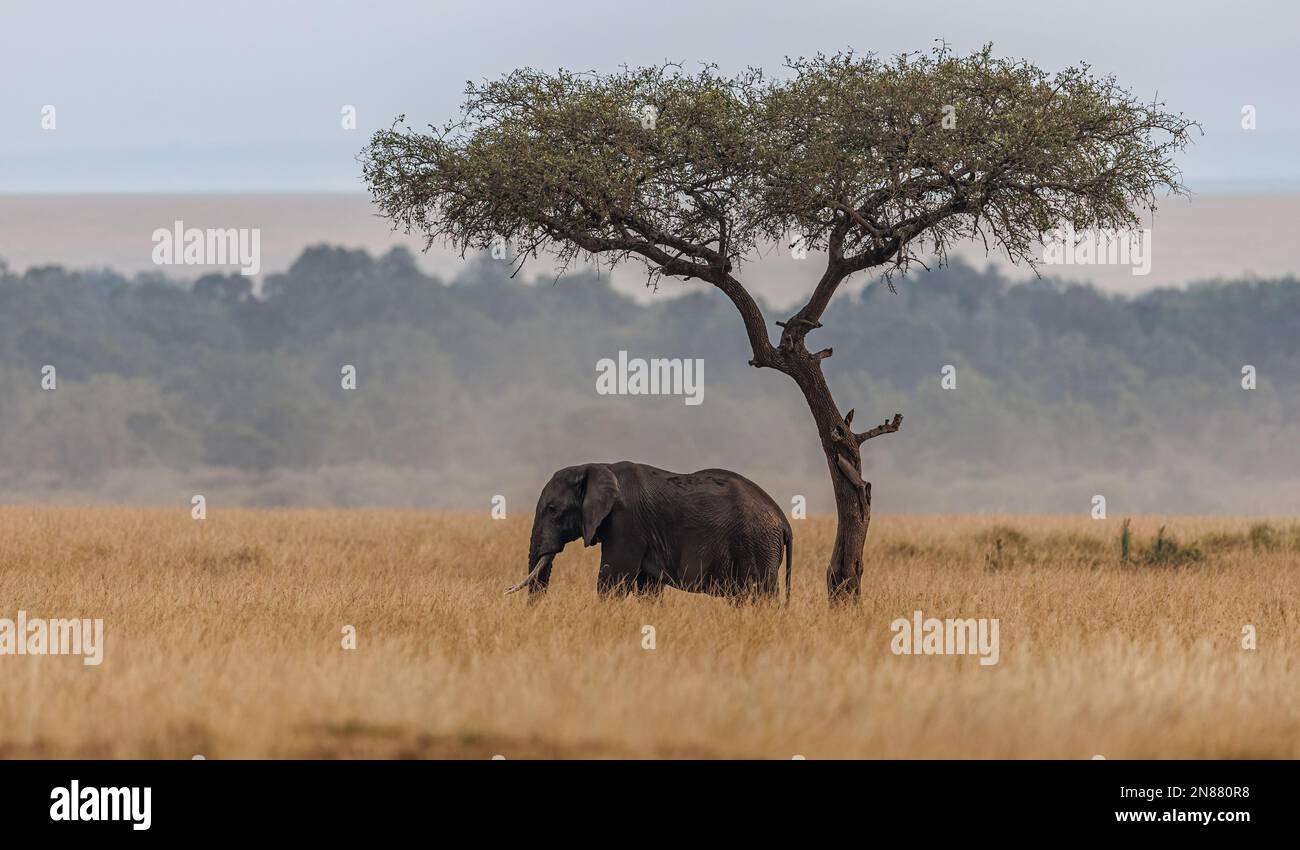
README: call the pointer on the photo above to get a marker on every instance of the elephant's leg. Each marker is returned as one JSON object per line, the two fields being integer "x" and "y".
{"x": 769, "y": 575}
{"x": 738, "y": 581}
{"x": 649, "y": 586}
{"x": 613, "y": 582}
{"x": 620, "y": 562}
{"x": 755, "y": 563}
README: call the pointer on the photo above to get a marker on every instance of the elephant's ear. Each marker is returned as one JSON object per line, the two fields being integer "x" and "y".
{"x": 601, "y": 497}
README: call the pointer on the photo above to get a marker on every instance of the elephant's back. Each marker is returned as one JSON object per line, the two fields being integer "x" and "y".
{"x": 717, "y": 494}
{"x": 746, "y": 493}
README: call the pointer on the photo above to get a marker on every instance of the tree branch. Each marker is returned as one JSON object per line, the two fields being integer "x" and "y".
{"x": 712, "y": 271}
{"x": 765, "y": 354}
{"x": 809, "y": 316}
{"x": 888, "y": 428}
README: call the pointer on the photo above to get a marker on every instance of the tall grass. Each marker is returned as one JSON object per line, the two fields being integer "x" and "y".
{"x": 224, "y": 638}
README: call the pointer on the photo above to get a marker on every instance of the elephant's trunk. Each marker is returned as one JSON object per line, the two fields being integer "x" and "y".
{"x": 542, "y": 563}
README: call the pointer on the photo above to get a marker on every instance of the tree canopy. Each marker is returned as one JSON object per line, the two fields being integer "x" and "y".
{"x": 877, "y": 163}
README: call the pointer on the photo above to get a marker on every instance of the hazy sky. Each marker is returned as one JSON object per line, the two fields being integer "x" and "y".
{"x": 246, "y": 96}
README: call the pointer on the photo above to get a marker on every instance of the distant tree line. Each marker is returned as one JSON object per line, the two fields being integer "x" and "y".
{"x": 486, "y": 384}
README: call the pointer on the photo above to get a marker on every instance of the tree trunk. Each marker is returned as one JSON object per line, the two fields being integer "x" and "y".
{"x": 840, "y": 444}
{"x": 844, "y": 460}
{"x": 844, "y": 573}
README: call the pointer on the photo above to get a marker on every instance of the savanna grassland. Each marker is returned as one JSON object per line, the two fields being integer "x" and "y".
{"x": 224, "y": 638}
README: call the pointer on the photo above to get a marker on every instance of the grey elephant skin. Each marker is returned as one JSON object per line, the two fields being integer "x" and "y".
{"x": 712, "y": 531}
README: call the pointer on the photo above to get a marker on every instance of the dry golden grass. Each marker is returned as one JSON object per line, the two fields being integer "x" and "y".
{"x": 224, "y": 638}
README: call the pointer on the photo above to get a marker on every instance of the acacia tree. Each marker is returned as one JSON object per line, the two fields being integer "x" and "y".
{"x": 873, "y": 164}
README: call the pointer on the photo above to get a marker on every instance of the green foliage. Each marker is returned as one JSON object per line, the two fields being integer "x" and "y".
{"x": 877, "y": 161}
{"x": 1263, "y": 536}
{"x": 1167, "y": 552}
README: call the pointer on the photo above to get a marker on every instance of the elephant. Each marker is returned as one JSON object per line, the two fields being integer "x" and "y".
{"x": 712, "y": 531}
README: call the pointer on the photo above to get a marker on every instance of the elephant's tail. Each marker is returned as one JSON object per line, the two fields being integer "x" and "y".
{"x": 789, "y": 561}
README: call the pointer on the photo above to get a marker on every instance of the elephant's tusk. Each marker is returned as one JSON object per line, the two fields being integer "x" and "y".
{"x": 541, "y": 564}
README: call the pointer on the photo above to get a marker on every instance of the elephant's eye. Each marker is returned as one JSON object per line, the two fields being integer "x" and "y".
{"x": 550, "y": 508}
